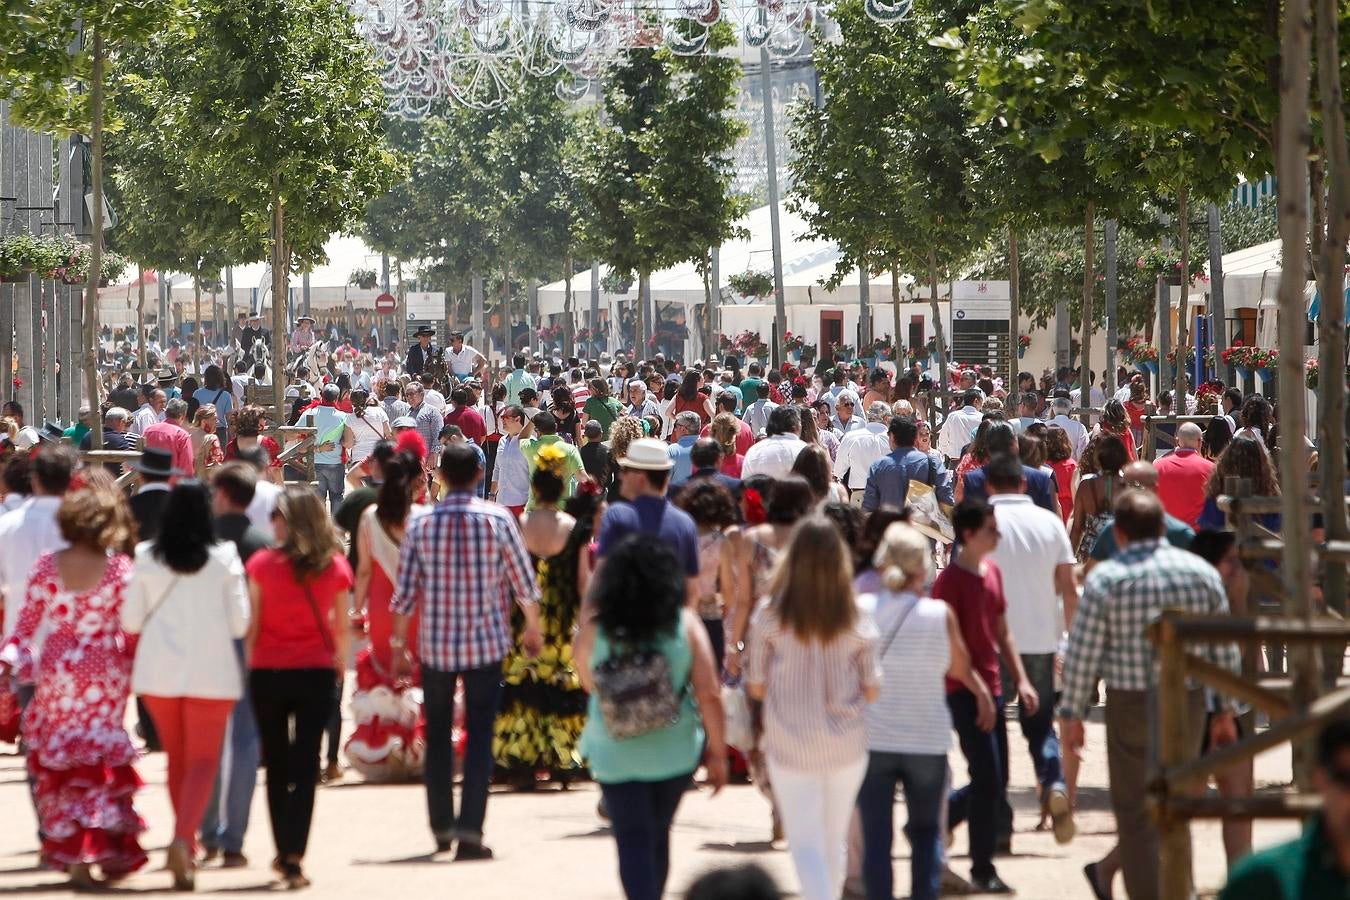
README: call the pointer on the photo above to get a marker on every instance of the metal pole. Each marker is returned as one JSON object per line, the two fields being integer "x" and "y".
{"x": 162, "y": 323}
{"x": 304, "y": 293}
{"x": 594, "y": 323}
{"x": 1217, "y": 310}
{"x": 715, "y": 273}
{"x": 532, "y": 314}
{"x": 229, "y": 303}
{"x": 476, "y": 314}
{"x": 1109, "y": 385}
{"x": 771, "y": 158}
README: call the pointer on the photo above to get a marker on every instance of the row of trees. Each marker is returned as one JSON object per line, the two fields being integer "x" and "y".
{"x": 526, "y": 190}
{"x": 234, "y": 132}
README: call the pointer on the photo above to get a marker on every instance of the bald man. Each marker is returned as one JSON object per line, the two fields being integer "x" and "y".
{"x": 1142, "y": 475}
{"x": 1182, "y": 475}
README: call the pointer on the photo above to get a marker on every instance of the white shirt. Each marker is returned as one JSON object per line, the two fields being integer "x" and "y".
{"x": 264, "y": 501}
{"x": 858, "y": 450}
{"x": 958, "y": 430}
{"x": 1097, "y": 397}
{"x": 1032, "y": 544}
{"x": 187, "y": 624}
{"x": 238, "y": 384}
{"x": 143, "y": 418}
{"x": 367, "y": 431}
{"x": 757, "y": 415}
{"x": 772, "y": 456}
{"x": 461, "y": 363}
{"x": 25, "y": 534}
{"x": 434, "y": 398}
{"x": 1077, "y": 433}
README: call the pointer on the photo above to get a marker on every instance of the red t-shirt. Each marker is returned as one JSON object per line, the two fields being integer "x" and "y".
{"x": 469, "y": 422}
{"x": 1181, "y": 484}
{"x": 289, "y": 635}
{"x": 978, "y": 603}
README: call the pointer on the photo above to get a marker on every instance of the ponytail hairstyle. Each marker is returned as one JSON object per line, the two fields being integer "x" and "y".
{"x": 359, "y": 398}
{"x": 903, "y": 554}
{"x": 401, "y": 474}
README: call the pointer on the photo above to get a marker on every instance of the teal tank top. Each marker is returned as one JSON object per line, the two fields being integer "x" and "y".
{"x": 657, "y": 755}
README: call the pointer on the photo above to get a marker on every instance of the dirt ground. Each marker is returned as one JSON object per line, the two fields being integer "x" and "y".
{"x": 372, "y": 841}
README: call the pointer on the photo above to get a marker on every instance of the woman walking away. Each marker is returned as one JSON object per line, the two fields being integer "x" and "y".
{"x": 812, "y": 661}
{"x": 79, "y": 754}
{"x": 207, "y": 452}
{"x": 710, "y": 505}
{"x": 187, "y": 602}
{"x": 644, "y": 754}
{"x": 909, "y": 728}
{"x": 296, "y": 648}
{"x": 388, "y": 743}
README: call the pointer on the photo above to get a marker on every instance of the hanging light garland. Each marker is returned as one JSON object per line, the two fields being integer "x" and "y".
{"x": 468, "y": 51}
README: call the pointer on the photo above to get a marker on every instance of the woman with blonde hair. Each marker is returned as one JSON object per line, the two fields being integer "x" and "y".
{"x": 909, "y": 727}
{"x": 812, "y": 663}
{"x": 79, "y": 754}
{"x": 623, "y": 432}
{"x": 296, "y": 646}
{"x": 206, "y": 450}
{"x": 725, "y": 428}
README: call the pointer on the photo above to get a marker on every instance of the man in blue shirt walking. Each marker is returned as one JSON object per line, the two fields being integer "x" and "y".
{"x": 888, "y": 479}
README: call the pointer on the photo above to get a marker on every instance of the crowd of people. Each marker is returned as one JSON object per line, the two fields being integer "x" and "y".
{"x": 630, "y": 571}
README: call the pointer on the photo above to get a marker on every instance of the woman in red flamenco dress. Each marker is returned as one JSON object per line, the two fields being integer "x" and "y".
{"x": 79, "y": 754}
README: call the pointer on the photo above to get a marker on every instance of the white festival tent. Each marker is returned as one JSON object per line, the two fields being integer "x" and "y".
{"x": 328, "y": 287}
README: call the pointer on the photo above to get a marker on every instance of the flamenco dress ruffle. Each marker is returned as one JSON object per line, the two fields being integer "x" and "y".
{"x": 389, "y": 741}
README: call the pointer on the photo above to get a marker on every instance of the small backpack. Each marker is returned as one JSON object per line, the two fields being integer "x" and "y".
{"x": 635, "y": 693}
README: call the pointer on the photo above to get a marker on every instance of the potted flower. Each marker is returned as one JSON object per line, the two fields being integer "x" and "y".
{"x": 792, "y": 346}
{"x": 746, "y": 345}
{"x": 932, "y": 350}
{"x": 1207, "y": 398}
{"x": 549, "y": 333}
{"x": 24, "y": 254}
{"x": 1167, "y": 263}
{"x": 752, "y": 284}
{"x": 882, "y": 347}
{"x": 76, "y": 259}
{"x": 1239, "y": 357}
{"x": 1310, "y": 374}
{"x": 1263, "y": 362}
{"x": 839, "y": 352}
{"x": 1023, "y": 344}
{"x": 365, "y": 279}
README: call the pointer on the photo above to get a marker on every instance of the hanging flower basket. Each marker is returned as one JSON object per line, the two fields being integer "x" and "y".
{"x": 752, "y": 284}
{"x": 365, "y": 279}
{"x": 24, "y": 254}
{"x": 1265, "y": 375}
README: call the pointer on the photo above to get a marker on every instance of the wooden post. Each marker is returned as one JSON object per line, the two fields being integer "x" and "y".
{"x": 1174, "y": 748}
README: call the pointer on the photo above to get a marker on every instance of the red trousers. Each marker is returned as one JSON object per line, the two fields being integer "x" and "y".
{"x": 192, "y": 732}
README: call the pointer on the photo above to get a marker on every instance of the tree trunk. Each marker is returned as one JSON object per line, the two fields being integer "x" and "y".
{"x": 1184, "y": 305}
{"x": 895, "y": 314}
{"x": 1089, "y": 278}
{"x": 641, "y": 325}
{"x": 280, "y": 284}
{"x": 709, "y": 340}
{"x": 1014, "y": 304}
{"x": 864, "y": 301}
{"x": 140, "y": 323}
{"x": 197, "y": 346}
{"x": 939, "y": 338}
{"x": 91, "y": 339}
{"x": 1292, "y": 142}
{"x": 569, "y": 327}
{"x": 1331, "y": 396}
{"x": 506, "y": 311}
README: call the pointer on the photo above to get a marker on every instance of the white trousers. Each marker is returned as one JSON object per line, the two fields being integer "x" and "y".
{"x": 816, "y": 807}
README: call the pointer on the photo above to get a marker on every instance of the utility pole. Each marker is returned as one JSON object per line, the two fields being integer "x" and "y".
{"x": 771, "y": 158}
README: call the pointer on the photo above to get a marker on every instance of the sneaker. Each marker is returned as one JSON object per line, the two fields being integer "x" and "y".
{"x": 991, "y": 885}
{"x": 1061, "y": 813}
{"x": 469, "y": 852}
{"x": 331, "y": 773}
{"x": 233, "y": 860}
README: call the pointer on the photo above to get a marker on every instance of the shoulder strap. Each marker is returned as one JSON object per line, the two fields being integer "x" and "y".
{"x": 318, "y": 619}
{"x": 173, "y": 583}
{"x": 899, "y": 623}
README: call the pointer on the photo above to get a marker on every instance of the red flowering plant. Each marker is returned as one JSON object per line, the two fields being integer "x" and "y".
{"x": 1207, "y": 398}
{"x": 1023, "y": 341}
{"x": 1238, "y": 354}
{"x": 1190, "y": 356}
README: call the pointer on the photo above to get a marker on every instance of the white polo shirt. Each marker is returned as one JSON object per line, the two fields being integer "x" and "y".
{"x": 1032, "y": 544}
{"x": 462, "y": 363}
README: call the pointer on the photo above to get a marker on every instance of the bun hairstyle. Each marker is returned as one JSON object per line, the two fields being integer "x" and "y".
{"x": 903, "y": 554}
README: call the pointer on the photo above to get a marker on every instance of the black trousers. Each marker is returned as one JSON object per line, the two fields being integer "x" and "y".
{"x": 292, "y": 707}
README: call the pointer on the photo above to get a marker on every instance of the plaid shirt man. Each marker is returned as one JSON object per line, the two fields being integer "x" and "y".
{"x": 461, "y": 565}
{"x": 429, "y": 423}
{"x": 1121, "y": 597}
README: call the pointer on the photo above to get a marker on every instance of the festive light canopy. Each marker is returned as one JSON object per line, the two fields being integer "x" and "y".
{"x": 467, "y": 51}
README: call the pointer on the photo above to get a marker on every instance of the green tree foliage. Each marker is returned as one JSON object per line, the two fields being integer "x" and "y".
{"x": 281, "y": 109}
{"x": 656, "y": 175}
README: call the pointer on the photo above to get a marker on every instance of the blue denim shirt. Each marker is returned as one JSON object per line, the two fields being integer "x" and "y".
{"x": 888, "y": 479}
{"x": 679, "y": 454}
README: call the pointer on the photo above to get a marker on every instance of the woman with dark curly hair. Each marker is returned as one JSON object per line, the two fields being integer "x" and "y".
{"x": 644, "y": 777}
{"x": 1245, "y": 457}
{"x": 1116, "y": 421}
{"x": 248, "y": 425}
{"x": 713, "y": 510}
{"x": 1092, "y": 502}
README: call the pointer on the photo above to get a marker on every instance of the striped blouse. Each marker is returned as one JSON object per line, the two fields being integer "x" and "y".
{"x": 813, "y": 692}
{"x": 911, "y": 714}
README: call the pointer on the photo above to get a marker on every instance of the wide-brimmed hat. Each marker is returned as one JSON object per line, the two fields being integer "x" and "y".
{"x": 425, "y": 331}
{"x": 648, "y": 454}
{"x": 156, "y": 461}
{"x": 309, "y": 319}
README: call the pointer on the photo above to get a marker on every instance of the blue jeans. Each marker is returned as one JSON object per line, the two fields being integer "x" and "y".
{"x": 640, "y": 813}
{"x": 482, "y": 696}
{"x": 979, "y": 800}
{"x": 1039, "y": 731}
{"x": 924, "y": 777}
{"x": 332, "y": 478}
{"x": 226, "y": 817}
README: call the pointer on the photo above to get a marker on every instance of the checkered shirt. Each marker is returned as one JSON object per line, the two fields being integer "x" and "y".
{"x": 461, "y": 565}
{"x": 1121, "y": 597}
{"x": 429, "y": 423}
